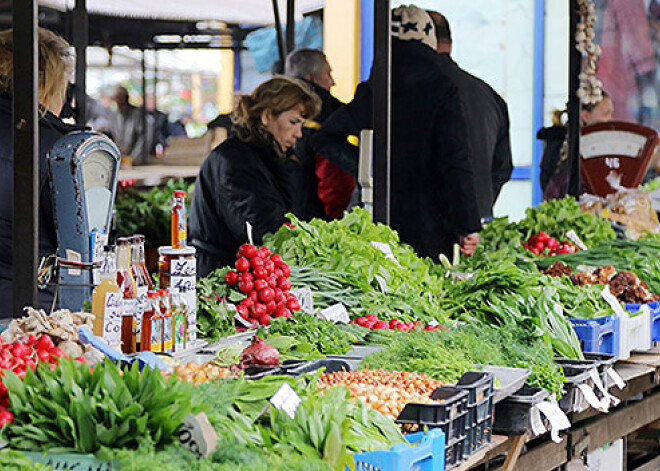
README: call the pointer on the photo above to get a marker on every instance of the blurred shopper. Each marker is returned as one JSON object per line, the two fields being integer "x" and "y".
{"x": 178, "y": 127}
{"x": 323, "y": 190}
{"x": 158, "y": 129}
{"x": 487, "y": 119}
{"x": 126, "y": 127}
{"x": 433, "y": 201}
{"x": 243, "y": 180}
{"x": 592, "y": 113}
{"x": 56, "y": 64}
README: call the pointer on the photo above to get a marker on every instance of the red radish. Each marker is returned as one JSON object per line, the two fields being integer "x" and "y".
{"x": 293, "y": 305}
{"x": 259, "y": 310}
{"x": 277, "y": 259}
{"x": 266, "y": 295}
{"x": 278, "y": 273}
{"x": 260, "y": 284}
{"x": 247, "y": 250}
{"x": 260, "y": 272}
{"x": 271, "y": 307}
{"x": 245, "y": 286}
{"x": 246, "y": 276}
{"x": 264, "y": 252}
{"x": 278, "y": 295}
{"x": 286, "y": 270}
{"x": 283, "y": 312}
{"x": 254, "y": 296}
{"x": 256, "y": 262}
{"x": 6, "y": 417}
{"x": 247, "y": 302}
{"x": 242, "y": 264}
{"x": 269, "y": 266}
{"x": 381, "y": 325}
{"x": 361, "y": 321}
{"x": 272, "y": 281}
{"x": 231, "y": 277}
{"x": 284, "y": 284}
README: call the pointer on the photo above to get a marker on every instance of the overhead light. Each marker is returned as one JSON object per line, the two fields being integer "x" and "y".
{"x": 213, "y": 24}
{"x": 167, "y": 39}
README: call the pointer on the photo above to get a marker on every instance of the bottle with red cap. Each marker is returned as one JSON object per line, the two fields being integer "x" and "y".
{"x": 179, "y": 221}
{"x": 152, "y": 324}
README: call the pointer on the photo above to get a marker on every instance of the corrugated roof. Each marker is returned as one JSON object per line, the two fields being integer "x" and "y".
{"x": 257, "y": 12}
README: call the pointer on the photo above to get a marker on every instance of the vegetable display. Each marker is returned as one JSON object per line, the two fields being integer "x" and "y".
{"x": 72, "y": 408}
{"x": 544, "y": 245}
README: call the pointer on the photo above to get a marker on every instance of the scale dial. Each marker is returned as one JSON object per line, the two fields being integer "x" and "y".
{"x": 98, "y": 178}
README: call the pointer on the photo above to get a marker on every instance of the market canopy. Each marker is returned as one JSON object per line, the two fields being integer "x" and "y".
{"x": 256, "y": 12}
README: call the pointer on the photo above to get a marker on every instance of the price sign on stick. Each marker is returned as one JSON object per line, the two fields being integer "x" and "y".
{"x": 287, "y": 400}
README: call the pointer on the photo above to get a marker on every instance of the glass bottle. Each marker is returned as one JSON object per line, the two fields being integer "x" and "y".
{"x": 166, "y": 312}
{"x": 128, "y": 287}
{"x": 143, "y": 261}
{"x": 156, "y": 324}
{"x": 107, "y": 300}
{"x": 180, "y": 315}
{"x": 148, "y": 318}
{"x": 179, "y": 221}
{"x": 142, "y": 286}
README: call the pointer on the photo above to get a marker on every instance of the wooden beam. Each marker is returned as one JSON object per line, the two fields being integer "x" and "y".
{"x": 514, "y": 453}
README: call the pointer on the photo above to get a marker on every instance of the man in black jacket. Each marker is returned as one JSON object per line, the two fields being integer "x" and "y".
{"x": 311, "y": 66}
{"x": 487, "y": 119}
{"x": 433, "y": 202}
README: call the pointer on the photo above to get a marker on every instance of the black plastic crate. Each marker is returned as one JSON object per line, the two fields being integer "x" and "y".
{"x": 330, "y": 365}
{"x": 454, "y": 452}
{"x": 573, "y": 400}
{"x": 450, "y": 414}
{"x": 479, "y": 386}
{"x": 513, "y": 416}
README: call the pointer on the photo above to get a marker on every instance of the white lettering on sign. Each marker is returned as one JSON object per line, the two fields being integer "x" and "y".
{"x": 286, "y": 400}
{"x": 112, "y": 318}
{"x": 612, "y": 162}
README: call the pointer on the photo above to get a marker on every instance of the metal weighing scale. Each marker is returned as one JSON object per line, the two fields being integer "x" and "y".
{"x": 84, "y": 167}
{"x": 615, "y": 148}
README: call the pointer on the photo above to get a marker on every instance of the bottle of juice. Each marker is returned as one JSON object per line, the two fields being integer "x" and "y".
{"x": 180, "y": 315}
{"x": 142, "y": 260}
{"x": 128, "y": 287}
{"x": 142, "y": 287}
{"x": 179, "y": 221}
{"x": 156, "y": 324}
{"x": 106, "y": 301}
{"x": 166, "y": 312}
{"x": 153, "y": 307}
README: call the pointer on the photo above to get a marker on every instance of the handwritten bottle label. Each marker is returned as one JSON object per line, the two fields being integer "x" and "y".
{"x": 183, "y": 274}
{"x": 112, "y": 318}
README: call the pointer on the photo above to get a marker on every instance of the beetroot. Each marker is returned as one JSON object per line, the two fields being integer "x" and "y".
{"x": 259, "y": 353}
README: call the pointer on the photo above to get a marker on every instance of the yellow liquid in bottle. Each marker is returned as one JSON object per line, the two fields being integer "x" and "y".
{"x": 99, "y": 300}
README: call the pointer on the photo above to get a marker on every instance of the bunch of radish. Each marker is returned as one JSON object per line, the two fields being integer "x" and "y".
{"x": 371, "y": 321}
{"x": 264, "y": 278}
{"x": 544, "y": 245}
{"x": 18, "y": 357}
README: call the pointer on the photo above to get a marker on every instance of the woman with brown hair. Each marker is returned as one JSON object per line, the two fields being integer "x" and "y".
{"x": 56, "y": 63}
{"x": 243, "y": 180}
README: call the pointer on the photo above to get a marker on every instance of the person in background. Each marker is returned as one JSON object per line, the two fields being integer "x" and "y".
{"x": 158, "y": 129}
{"x": 433, "y": 200}
{"x": 243, "y": 180}
{"x": 178, "y": 127}
{"x": 487, "y": 123}
{"x": 323, "y": 190}
{"x": 592, "y": 113}
{"x": 126, "y": 127}
{"x": 56, "y": 64}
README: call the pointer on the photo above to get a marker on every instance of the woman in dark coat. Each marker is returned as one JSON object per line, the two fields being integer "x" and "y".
{"x": 56, "y": 64}
{"x": 243, "y": 180}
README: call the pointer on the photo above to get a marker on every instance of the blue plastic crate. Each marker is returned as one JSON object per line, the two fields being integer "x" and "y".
{"x": 600, "y": 335}
{"x": 655, "y": 317}
{"x": 428, "y": 454}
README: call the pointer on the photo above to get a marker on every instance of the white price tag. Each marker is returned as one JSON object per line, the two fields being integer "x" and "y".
{"x": 180, "y": 283}
{"x": 576, "y": 240}
{"x": 607, "y": 399}
{"x": 556, "y": 417}
{"x": 387, "y": 250}
{"x": 197, "y": 435}
{"x": 73, "y": 256}
{"x": 618, "y": 380}
{"x": 536, "y": 422}
{"x": 305, "y": 298}
{"x": 335, "y": 313}
{"x": 613, "y": 302}
{"x": 591, "y": 398}
{"x": 183, "y": 267}
{"x": 287, "y": 400}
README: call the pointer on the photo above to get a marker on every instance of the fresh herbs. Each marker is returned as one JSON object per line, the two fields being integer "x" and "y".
{"x": 71, "y": 408}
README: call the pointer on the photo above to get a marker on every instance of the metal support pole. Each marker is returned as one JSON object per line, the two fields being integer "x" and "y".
{"x": 278, "y": 32}
{"x": 290, "y": 25}
{"x": 25, "y": 230}
{"x": 574, "y": 105}
{"x": 539, "y": 91}
{"x": 80, "y": 39}
{"x": 237, "y": 68}
{"x": 145, "y": 134}
{"x": 381, "y": 110}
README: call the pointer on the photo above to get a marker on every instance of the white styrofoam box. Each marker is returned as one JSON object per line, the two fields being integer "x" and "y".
{"x": 607, "y": 458}
{"x": 635, "y": 334}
